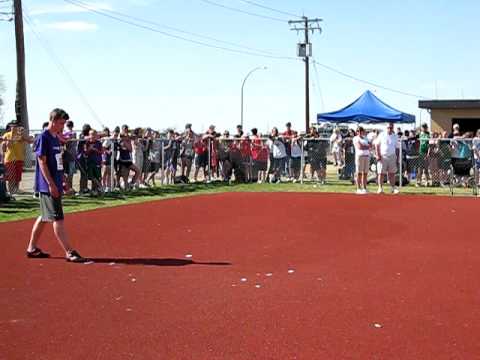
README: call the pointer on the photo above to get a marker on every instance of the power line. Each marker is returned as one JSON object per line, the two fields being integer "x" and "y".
{"x": 243, "y": 11}
{"x": 177, "y": 29}
{"x": 320, "y": 93}
{"x": 369, "y": 82}
{"x": 46, "y": 46}
{"x": 269, "y": 8}
{"x": 144, "y": 27}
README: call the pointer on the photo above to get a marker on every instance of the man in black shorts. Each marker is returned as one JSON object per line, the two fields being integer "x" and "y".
{"x": 49, "y": 184}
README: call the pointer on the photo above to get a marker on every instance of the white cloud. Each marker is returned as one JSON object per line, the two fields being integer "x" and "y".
{"x": 67, "y": 8}
{"x": 72, "y": 26}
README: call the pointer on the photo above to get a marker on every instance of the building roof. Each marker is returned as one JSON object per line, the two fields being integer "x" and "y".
{"x": 449, "y": 104}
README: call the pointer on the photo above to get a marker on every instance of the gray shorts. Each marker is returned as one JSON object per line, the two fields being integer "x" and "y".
{"x": 362, "y": 163}
{"x": 388, "y": 165}
{"x": 50, "y": 208}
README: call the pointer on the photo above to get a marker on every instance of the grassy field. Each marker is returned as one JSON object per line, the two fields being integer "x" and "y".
{"x": 27, "y": 207}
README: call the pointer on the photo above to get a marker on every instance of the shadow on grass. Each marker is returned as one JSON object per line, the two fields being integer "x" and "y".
{"x": 151, "y": 261}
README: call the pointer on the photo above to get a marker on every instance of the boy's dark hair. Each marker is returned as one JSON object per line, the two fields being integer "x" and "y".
{"x": 65, "y": 116}
{"x": 56, "y": 114}
{"x": 45, "y": 125}
{"x": 254, "y": 131}
{"x": 117, "y": 129}
{"x": 69, "y": 124}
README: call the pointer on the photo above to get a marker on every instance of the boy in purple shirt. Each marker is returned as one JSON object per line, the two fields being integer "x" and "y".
{"x": 48, "y": 183}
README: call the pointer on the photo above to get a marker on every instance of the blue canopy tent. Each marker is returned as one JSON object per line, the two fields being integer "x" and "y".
{"x": 366, "y": 109}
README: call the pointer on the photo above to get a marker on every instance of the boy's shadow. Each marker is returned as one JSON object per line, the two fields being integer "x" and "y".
{"x": 155, "y": 262}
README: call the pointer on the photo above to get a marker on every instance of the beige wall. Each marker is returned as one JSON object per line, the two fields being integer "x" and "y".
{"x": 442, "y": 118}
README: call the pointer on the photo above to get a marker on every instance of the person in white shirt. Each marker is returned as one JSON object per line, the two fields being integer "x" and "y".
{"x": 362, "y": 159}
{"x": 279, "y": 154}
{"x": 386, "y": 151}
{"x": 336, "y": 147}
{"x": 295, "y": 157}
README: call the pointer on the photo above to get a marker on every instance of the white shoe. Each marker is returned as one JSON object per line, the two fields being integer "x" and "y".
{"x": 380, "y": 191}
{"x": 364, "y": 191}
{"x": 395, "y": 191}
{"x": 359, "y": 192}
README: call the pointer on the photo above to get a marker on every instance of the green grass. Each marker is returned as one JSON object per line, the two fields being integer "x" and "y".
{"x": 26, "y": 207}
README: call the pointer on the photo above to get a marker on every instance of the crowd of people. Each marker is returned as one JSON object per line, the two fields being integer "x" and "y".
{"x": 125, "y": 159}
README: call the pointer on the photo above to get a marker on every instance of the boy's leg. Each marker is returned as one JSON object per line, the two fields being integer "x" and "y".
{"x": 36, "y": 233}
{"x": 61, "y": 235}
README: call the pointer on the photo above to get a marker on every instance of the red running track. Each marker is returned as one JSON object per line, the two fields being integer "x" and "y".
{"x": 375, "y": 277}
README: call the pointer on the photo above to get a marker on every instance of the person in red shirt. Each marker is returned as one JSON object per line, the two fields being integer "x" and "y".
{"x": 288, "y": 135}
{"x": 259, "y": 152}
{"x": 246, "y": 152}
{"x": 201, "y": 156}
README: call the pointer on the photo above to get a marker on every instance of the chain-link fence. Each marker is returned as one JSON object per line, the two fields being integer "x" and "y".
{"x": 101, "y": 164}
{"x": 442, "y": 162}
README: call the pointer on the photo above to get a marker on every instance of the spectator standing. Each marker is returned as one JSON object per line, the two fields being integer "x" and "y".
{"x": 423, "y": 161}
{"x": 82, "y": 158}
{"x": 277, "y": 148}
{"x": 433, "y": 157}
{"x": 94, "y": 162}
{"x": 147, "y": 144}
{"x": 295, "y": 163}
{"x": 317, "y": 155}
{"x": 476, "y": 154}
{"x": 116, "y": 165}
{"x": 386, "y": 150}
{"x": 186, "y": 151}
{"x": 259, "y": 157}
{"x": 70, "y": 153}
{"x": 362, "y": 159}
{"x": 48, "y": 183}
{"x": 287, "y": 136}
{"x": 155, "y": 156}
{"x": 224, "y": 146}
{"x": 349, "y": 154}
{"x": 412, "y": 155}
{"x": 14, "y": 141}
{"x": 336, "y": 147}
{"x": 125, "y": 160}
{"x": 210, "y": 137}
{"x": 201, "y": 157}
{"x": 107, "y": 152}
{"x": 137, "y": 152}
{"x": 445, "y": 157}
{"x": 246, "y": 153}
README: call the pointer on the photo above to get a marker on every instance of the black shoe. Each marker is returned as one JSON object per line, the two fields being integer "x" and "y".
{"x": 74, "y": 256}
{"x": 37, "y": 253}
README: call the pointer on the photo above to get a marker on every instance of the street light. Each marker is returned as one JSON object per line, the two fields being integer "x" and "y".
{"x": 243, "y": 84}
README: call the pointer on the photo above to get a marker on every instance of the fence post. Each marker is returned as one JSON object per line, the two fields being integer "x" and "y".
{"x": 400, "y": 180}
{"x": 302, "y": 163}
{"x": 209, "y": 160}
{"x": 113, "y": 173}
{"x": 162, "y": 170}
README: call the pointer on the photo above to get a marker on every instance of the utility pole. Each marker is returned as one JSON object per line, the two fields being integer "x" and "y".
{"x": 304, "y": 50}
{"x": 21, "y": 95}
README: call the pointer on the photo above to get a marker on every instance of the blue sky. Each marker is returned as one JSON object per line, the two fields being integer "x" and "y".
{"x": 134, "y": 76}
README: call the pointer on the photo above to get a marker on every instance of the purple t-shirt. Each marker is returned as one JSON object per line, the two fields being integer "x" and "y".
{"x": 48, "y": 145}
